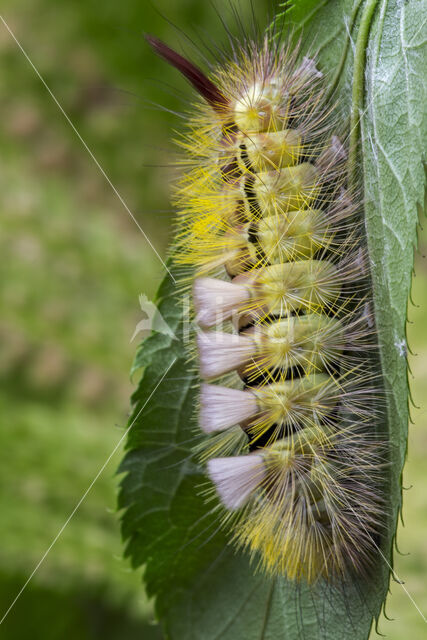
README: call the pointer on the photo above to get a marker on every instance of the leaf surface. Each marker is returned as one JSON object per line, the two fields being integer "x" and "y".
{"x": 394, "y": 135}
{"x": 204, "y": 589}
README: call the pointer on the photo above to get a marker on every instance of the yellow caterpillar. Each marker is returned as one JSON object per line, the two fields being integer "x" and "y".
{"x": 274, "y": 245}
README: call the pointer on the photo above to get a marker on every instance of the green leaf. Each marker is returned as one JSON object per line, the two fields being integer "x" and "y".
{"x": 394, "y": 133}
{"x": 204, "y": 589}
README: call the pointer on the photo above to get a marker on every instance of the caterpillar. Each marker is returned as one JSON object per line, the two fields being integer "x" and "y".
{"x": 272, "y": 238}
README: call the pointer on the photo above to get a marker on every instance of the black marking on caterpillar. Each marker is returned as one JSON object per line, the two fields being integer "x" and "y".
{"x": 276, "y": 247}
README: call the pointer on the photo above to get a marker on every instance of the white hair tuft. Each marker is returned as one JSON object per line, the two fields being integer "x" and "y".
{"x": 221, "y": 408}
{"x": 220, "y": 353}
{"x": 237, "y": 478}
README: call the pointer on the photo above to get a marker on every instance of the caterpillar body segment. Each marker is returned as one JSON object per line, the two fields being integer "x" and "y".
{"x": 280, "y": 288}
{"x": 312, "y": 341}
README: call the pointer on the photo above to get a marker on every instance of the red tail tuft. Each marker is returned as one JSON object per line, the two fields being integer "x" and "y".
{"x": 207, "y": 89}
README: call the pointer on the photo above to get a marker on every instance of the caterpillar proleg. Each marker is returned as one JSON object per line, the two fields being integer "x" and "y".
{"x": 273, "y": 239}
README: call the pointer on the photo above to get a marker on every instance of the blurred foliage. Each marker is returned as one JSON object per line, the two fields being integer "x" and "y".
{"x": 72, "y": 265}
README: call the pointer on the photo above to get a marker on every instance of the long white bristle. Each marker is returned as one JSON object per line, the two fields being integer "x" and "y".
{"x": 236, "y": 478}
{"x": 215, "y": 300}
{"x": 306, "y": 72}
{"x": 338, "y": 148}
{"x": 220, "y": 353}
{"x": 333, "y": 154}
{"x": 221, "y": 408}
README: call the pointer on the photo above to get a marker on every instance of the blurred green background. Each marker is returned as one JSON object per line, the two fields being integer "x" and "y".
{"x": 72, "y": 266}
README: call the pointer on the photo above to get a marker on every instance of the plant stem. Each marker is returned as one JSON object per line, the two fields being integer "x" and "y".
{"x": 358, "y": 87}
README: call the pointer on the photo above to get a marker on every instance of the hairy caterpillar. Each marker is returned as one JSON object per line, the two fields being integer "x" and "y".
{"x": 273, "y": 240}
